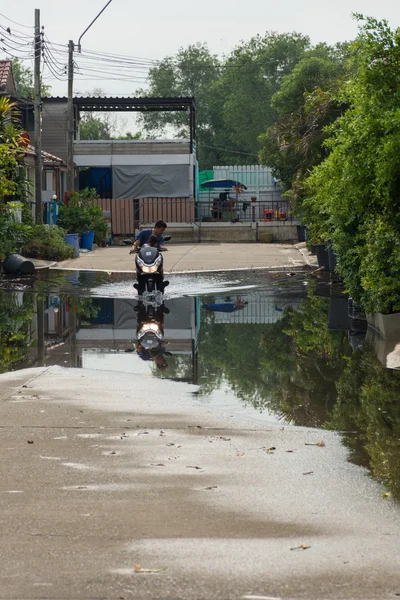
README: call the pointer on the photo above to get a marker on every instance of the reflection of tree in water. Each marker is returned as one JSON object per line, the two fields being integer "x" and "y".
{"x": 368, "y": 403}
{"x": 309, "y": 375}
{"x": 86, "y": 309}
{"x": 16, "y": 312}
{"x": 289, "y": 367}
{"x": 179, "y": 368}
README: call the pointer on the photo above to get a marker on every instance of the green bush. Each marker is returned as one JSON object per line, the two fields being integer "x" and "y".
{"x": 81, "y": 214}
{"x": 12, "y": 234}
{"x": 47, "y": 243}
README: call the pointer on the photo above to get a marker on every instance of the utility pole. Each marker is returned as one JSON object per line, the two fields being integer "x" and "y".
{"x": 70, "y": 104}
{"x": 38, "y": 122}
{"x": 70, "y": 119}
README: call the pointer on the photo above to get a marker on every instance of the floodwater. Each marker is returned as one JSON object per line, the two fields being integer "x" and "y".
{"x": 275, "y": 347}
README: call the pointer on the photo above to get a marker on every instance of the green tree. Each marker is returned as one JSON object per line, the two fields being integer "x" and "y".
{"x": 92, "y": 127}
{"x": 233, "y": 95}
{"x": 305, "y": 104}
{"x": 252, "y": 74}
{"x": 23, "y": 77}
{"x": 190, "y": 73}
{"x": 354, "y": 194}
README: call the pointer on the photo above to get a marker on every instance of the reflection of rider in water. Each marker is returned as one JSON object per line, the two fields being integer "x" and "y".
{"x": 238, "y": 304}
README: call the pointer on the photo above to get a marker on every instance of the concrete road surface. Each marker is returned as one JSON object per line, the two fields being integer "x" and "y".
{"x": 101, "y": 472}
{"x": 197, "y": 257}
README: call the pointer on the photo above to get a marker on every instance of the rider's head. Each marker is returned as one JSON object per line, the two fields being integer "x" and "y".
{"x": 160, "y": 362}
{"x": 160, "y": 227}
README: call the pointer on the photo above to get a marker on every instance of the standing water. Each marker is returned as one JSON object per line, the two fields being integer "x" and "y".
{"x": 276, "y": 348}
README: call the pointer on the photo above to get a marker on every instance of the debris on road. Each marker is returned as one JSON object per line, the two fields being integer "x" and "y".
{"x": 321, "y": 444}
{"x": 139, "y": 569}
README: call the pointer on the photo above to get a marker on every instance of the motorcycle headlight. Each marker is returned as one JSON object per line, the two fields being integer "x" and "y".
{"x": 152, "y": 269}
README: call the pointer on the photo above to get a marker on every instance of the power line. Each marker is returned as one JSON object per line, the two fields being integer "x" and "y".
{"x": 228, "y": 150}
{"x": 16, "y": 23}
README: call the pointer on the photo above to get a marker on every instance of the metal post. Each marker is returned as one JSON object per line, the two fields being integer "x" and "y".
{"x": 70, "y": 119}
{"x": 38, "y": 124}
{"x": 40, "y": 330}
{"x": 89, "y": 26}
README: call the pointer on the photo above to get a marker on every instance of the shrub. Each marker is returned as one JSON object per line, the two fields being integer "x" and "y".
{"x": 12, "y": 234}
{"x": 81, "y": 214}
{"x": 47, "y": 243}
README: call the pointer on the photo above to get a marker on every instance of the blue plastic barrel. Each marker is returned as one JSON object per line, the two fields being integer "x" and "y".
{"x": 87, "y": 240}
{"x": 73, "y": 240}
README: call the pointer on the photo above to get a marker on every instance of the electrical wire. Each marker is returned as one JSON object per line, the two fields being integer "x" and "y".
{"x": 227, "y": 150}
{"x": 16, "y": 23}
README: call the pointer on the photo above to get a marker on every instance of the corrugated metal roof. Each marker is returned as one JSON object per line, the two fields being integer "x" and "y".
{"x": 46, "y": 156}
{"x": 5, "y": 72}
{"x": 126, "y": 103}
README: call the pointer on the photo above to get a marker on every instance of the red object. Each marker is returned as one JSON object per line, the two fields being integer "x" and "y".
{"x": 24, "y": 139}
{"x": 66, "y": 198}
{"x": 268, "y": 215}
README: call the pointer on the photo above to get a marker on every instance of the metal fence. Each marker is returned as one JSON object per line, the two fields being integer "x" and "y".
{"x": 215, "y": 210}
{"x": 128, "y": 214}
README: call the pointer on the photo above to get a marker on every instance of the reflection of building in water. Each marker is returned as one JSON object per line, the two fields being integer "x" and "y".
{"x": 115, "y": 325}
{"x": 261, "y": 307}
{"x": 114, "y": 329}
{"x": 64, "y": 332}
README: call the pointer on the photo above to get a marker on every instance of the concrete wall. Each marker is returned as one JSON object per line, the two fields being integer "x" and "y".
{"x": 282, "y": 231}
{"x": 54, "y": 128}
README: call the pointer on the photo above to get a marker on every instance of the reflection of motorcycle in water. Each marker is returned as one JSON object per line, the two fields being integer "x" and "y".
{"x": 149, "y": 271}
{"x": 149, "y": 343}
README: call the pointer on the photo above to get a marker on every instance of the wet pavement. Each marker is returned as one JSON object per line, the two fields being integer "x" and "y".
{"x": 290, "y": 355}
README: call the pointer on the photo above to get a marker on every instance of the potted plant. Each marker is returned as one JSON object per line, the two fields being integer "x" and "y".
{"x": 81, "y": 217}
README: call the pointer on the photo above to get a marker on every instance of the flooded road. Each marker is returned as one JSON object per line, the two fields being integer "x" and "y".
{"x": 273, "y": 347}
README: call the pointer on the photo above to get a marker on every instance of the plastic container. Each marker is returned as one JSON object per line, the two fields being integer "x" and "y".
{"x": 87, "y": 240}
{"x": 15, "y": 264}
{"x": 322, "y": 256}
{"x": 301, "y": 233}
{"x": 73, "y": 240}
{"x": 331, "y": 257}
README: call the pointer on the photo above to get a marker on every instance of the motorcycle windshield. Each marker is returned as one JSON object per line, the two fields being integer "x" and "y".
{"x": 148, "y": 254}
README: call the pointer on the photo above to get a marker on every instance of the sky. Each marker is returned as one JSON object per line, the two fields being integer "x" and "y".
{"x": 154, "y": 30}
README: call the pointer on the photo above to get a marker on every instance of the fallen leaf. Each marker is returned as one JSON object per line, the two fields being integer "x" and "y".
{"x": 138, "y": 569}
{"x": 309, "y": 473}
{"x": 239, "y": 453}
{"x": 386, "y": 494}
{"x": 211, "y": 487}
{"x": 270, "y": 450}
{"x": 190, "y": 467}
{"x": 321, "y": 443}
{"x": 30, "y": 441}
{"x": 302, "y": 547}
{"x": 157, "y": 465}
{"x": 194, "y": 426}
{"x": 290, "y": 450}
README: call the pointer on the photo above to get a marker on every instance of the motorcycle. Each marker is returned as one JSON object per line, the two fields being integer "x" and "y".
{"x": 150, "y": 273}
